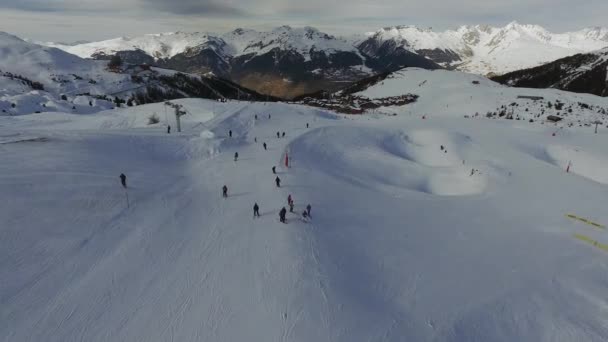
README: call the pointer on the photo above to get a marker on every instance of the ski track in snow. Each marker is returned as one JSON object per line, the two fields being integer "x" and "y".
{"x": 384, "y": 257}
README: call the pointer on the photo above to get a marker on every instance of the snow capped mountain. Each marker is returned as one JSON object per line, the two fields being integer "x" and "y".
{"x": 288, "y": 61}
{"x": 484, "y": 49}
{"x": 35, "y": 78}
{"x": 162, "y": 45}
{"x": 234, "y": 43}
{"x": 284, "y": 61}
{"x": 583, "y": 73}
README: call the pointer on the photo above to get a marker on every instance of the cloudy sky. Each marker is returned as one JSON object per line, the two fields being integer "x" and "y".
{"x": 71, "y": 20}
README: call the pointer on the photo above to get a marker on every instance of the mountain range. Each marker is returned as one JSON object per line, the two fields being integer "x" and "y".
{"x": 288, "y": 61}
{"x": 581, "y": 73}
{"x": 35, "y": 78}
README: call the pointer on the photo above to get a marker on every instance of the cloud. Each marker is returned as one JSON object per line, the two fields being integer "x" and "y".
{"x": 99, "y": 19}
{"x": 194, "y": 7}
{"x": 32, "y": 5}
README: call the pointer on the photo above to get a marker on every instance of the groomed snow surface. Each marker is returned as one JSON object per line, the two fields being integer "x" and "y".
{"x": 404, "y": 244}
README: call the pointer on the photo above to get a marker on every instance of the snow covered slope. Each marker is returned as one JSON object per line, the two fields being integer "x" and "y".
{"x": 453, "y": 93}
{"x": 237, "y": 42}
{"x": 485, "y": 49}
{"x": 442, "y": 229}
{"x": 583, "y": 73}
{"x": 35, "y": 78}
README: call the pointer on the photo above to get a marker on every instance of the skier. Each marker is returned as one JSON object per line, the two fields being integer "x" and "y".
{"x": 274, "y": 170}
{"x": 278, "y": 181}
{"x": 307, "y": 125}
{"x": 291, "y": 207}
{"x": 269, "y": 116}
{"x": 255, "y": 139}
{"x": 224, "y": 191}
{"x": 236, "y": 156}
{"x": 283, "y": 134}
{"x": 442, "y": 147}
{"x": 169, "y": 129}
{"x": 123, "y": 180}
{"x": 305, "y": 215}
{"x": 256, "y": 211}
{"x": 289, "y": 199}
{"x": 282, "y": 214}
{"x": 256, "y": 116}
{"x": 230, "y": 133}
{"x": 264, "y": 146}
{"x": 308, "y": 208}
{"x": 278, "y": 135}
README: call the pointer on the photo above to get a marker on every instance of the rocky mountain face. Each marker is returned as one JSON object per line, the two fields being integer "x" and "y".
{"x": 284, "y": 62}
{"x": 582, "y": 73}
{"x": 288, "y": 61}
{"x": 35, "y": 78}
{"x": 488, "y": 50}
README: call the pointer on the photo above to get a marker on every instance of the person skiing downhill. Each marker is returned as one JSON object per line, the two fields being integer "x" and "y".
{"x": 256, "y": 210}
{"x": 123, "y": 180}
{"x": 224, "y": 191}
{"x": 278, "y": 135}
{"x": 283, "y": 134}
{"x": 230, "y": 133}
{"x": 274, "y": 170}
{"x": 278, "y": 181}
{"x": 236, "y": 156}
{"x": 169, "y": 129}
{"x": 282, "y": 214}
{"x": 264, "y": 146}
{"x": 308, "y": 208}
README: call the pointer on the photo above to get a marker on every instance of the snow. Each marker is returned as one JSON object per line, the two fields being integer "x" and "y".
{"x": 454, "y": 93}
{"x": 483, "y": 49}
{"x": 404, "y": 243}
{"x": 498, "y": 50}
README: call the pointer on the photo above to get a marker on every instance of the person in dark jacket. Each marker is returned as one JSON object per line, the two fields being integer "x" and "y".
{"x": 283, "y": 134}
{"x": 256, "y": 211}
{"x": 278, "y": 181}
{"x": 308, "y": 208}
{"x": 225, "y": 191}
{"x": 230, "y": 133}
{"x": 307, "y": 125}
{"x": 236, "y": 156}
{"x": 282, "y": 214}
{"x": 265, "y": 148}
{"x": 274, "y": 170}
{"x": 123, "y": 180}
{"x": 169, "y": 129}
{"x": 278, "y": 135}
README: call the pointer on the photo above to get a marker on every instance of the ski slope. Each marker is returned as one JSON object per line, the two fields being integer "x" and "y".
{"x": 404, "y": 245}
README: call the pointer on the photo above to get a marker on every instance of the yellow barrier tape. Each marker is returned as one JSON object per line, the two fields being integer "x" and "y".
{"x": 584, "y": 220}
{"x": 591, "y": 241}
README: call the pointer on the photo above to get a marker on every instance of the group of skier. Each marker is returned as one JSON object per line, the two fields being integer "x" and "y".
{"x": 256, "y": 207}
{"x": 290, "y": 202}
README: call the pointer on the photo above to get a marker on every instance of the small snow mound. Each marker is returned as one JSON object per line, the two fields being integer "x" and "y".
{"x": 206, "y": 134}
{"x": 428, "y": 147}
{"x": 395, "y": 161}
